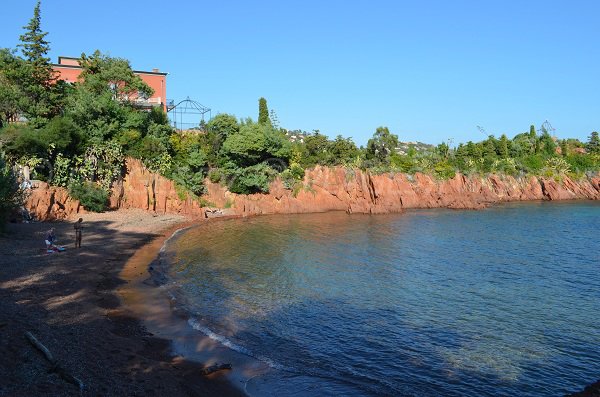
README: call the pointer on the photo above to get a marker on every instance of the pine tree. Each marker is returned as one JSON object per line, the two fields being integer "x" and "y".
{"x": 533, "y": 139}
{"x": 593, "y": 144}
{"x": 38, "y": 78}
{"x": 564, "y": 148}
{"x": 263, "y": 112}
{"x": 503, "y": 147}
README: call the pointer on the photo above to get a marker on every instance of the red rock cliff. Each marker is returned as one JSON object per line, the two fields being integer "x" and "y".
{"x": 326, "y": 189}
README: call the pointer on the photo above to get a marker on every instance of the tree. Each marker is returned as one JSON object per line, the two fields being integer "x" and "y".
{"x": 593, "y": 144}
{"x": 38, "y": 81}
{"x": 443, "y": 150}
{"x": 100, "y": 103}
{"x": 381, "y": 146}
{"x": 223, "y": 125}
{"x": 489, "y": 147}
{"x": 263, "y": 112}
{"x": 101, "y": 73}
{"x": 316, "y": 150}
{"x": 11, "y": 94}
{"x": 546, "y": 143}
{"x": 342, "y": 150}
{"x": 564, "y": 148}
{"x": 10, "y": 195}
{"x": 533, "y": 139}
{"x": 503, "y": 147}
{"x": 255, "y": 143}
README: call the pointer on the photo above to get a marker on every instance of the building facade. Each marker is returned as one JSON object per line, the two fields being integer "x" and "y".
{"x": 68, "y": 69}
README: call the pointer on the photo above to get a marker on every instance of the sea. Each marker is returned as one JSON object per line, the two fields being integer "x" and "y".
{"x": 497, "y": 302}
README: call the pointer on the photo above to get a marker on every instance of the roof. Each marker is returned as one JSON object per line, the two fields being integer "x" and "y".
{"x": 70, "y": 65}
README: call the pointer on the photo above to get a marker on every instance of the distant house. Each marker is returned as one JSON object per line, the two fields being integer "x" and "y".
{"x": 68, "y": 69}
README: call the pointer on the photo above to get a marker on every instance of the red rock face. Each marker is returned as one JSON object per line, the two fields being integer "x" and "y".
{"x": 324, "y": 189}
{"x": 48, "y": 203}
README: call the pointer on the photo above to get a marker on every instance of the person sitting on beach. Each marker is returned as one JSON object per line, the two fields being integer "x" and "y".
{"x": 77, "y": 227}
{"x": 50, "y": 240}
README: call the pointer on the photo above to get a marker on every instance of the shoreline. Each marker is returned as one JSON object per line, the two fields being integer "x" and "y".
{"x": 180, "y": 332}
{"x": 70, "y": 302}
{"x": 144, "y": 296}
{"x": 156, "y": 349}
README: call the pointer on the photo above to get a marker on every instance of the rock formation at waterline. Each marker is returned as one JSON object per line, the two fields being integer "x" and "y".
{"x": 323, "y": 189}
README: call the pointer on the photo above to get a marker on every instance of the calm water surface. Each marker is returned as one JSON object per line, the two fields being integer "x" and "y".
{"x": 504, "y": 301}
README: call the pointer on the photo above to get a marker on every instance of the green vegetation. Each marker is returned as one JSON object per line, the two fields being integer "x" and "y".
{"x": 10, "y": 194}
{"x": 90, "y": 195}
{"x": 77, "y": 136}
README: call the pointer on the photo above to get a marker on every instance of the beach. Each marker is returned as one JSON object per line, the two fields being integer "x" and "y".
{"x": 70, "y": 302}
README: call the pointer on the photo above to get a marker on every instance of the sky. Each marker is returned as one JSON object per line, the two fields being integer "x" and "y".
{"x": 430, "y": 71}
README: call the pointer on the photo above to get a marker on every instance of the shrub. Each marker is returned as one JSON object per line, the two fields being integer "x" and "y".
{"x": 11, "y": 197}
{"x": 93, "y": 197}
{"x": 444, "y": 170}
{"x": 532, "y": 164}
{"x": 254, "y": 179}
{"x": 214, "y": 175}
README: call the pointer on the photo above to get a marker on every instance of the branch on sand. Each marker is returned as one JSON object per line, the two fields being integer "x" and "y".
{"x": 214, "y": 368}
{"x": 56, "y": 367}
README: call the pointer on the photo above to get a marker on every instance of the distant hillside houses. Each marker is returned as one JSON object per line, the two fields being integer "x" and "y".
{"x": 419, "y": 147}
{"x": 296, "y": 135}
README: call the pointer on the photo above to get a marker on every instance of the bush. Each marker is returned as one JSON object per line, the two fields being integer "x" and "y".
{"x": 90, "y": 195}
{"x": 214, "y": 175}
{"x": 533, "y": 163}
{"x": 444, "y": 170}
{"x": 11, "y": 196}
{"x": 254, "y": 179}
{"x": 582, "y": 162}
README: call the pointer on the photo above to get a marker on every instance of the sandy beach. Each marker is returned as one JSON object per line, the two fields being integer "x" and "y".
{"x": 70, "y": 301}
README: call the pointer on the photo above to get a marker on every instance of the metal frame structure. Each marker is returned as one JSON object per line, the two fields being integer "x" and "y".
{"x": 183, "y": 114}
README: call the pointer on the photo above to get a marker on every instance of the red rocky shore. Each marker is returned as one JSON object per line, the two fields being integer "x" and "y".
{"x": 324, "y": 189}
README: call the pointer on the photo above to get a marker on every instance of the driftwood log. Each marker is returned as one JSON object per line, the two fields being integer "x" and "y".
{"x": 56, "y": 367}
{"x": 214, "y": 368}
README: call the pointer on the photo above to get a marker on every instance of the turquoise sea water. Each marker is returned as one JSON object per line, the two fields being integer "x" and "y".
{"x": 504, "y": 301}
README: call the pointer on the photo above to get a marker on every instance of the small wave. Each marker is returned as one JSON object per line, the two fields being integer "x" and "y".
{"x": 195, "y": 324}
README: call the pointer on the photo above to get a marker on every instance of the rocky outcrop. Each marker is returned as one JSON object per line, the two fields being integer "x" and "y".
{"x": 48, "y": 203}
{"x": 140, "y": 188}
{"x": 356, "y": 191}
{"x": 323, "y": 189}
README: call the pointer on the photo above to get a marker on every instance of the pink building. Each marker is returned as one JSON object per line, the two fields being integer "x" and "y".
{"x": 68, "y": 69}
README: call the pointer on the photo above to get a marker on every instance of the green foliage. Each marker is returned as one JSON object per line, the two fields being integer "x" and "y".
{"x": 215, "y": 175}
{"x": 254, "y": 144}
{"x": 61, "y": 172}
{"x": 40, "y": 96}
{"x": 314, "y": 151}
{"x": 12, "y": 96}
{"x": 558, "y": 165}
{"x": 381, "y": 146}
{"x": 223, "y": 125}
{"x": 263, "y": 112}
{"x": 547, "y": 144}
{"x": 533, "y": 163}
{"x": 252, "y": 179}
{"x": 593, "y": 144}
{"x": 502, "y": 149}
{"x": 292, "y": 176}
{"x": 205, "y": 203}
{"x": 92, "y": 196}
{"x": 342, "y": 151}
{"x": 583, "y": 162}
{"x": 11, "y": 197}
{"x": 444, "y": 170}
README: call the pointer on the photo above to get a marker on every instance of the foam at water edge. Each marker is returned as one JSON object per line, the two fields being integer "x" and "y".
{"x": 194, "y": 323}
{"x": 164, "y": 246}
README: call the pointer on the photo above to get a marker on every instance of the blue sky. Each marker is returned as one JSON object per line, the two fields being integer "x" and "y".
{"x": 429, "y": 70}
